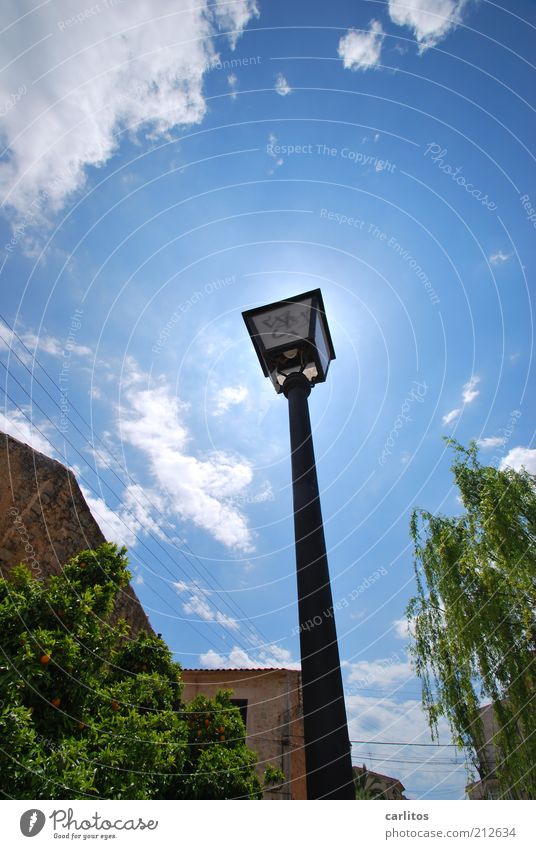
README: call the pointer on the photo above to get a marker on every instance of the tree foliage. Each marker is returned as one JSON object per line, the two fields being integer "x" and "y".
{"x": 87, "y": 711}
{"x": 473, "y": 616}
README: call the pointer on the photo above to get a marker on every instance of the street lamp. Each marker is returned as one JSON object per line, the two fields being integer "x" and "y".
{"x": 294, "y": 347}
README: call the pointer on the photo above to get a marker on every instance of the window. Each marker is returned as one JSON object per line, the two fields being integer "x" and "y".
{"x": 242, "y": 705}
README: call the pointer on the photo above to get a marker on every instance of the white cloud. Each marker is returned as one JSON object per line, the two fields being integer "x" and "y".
{"x": 228, "y": 397}
{"x": 385, "y": 673}
{"x": 518, "y": 457}
{"x": 17, "y": 425}
{"x": 451, "y": 416}
{"x": 402, "y": 629}
{"x": 272, "y": 140}
{"x": 116, "y": 525}
{"x": 430, "y": 20}
{"x": 133, "y": 517}
{"x": 38, "y": 345}
{"x": 232, "y": 80}
{"x": 361, "y": 50}
{"x": 198, "y": 605}
{"x": 197, "y": 489}
{"x": 45, "y": 344}
{"x": 469, "y": 393}
{"x": 469, "y": 390}
{"x": 490, "y": 442}
{"x": 233, "y": 16}
{"x": 79, "y": 83}
{"x": 384, "y": 719}
{"x": 499, "y": 257}
{"x": 271, "y": 656}
{"x": 281, "y": 86}
{"x": 145, "y": 505}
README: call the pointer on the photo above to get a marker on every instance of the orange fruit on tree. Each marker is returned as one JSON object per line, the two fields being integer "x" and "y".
{"x": 44, "y": 659}
{"x": 115, "y": 705}
{"x": 81, "y": 725}
{"x": 222, "y": 737}
{"x": 56, "y": 702}
{"x": 207, "y": 722}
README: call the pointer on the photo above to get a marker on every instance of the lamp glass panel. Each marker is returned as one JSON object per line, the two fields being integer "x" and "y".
{"x": 321, "y": 343}
{"x": 283, "y": 325}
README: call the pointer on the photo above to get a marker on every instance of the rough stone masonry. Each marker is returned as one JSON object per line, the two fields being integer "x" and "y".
{"x": 44, "y": 521}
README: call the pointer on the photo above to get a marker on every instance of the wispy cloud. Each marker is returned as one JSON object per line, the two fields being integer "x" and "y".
{"x": 17, "y": 425}
{"x": 43, "y": 343}
{"x": 499, "y": 258}
{"x": 278, "y": 160}
{"x": 470, "y": 392}
{"x": 271, "y": 656}
{"x": 197, "y": 604}
{"x": 490, "y": 442}
{"x": 385, "y": 672}
{"x": 360, "y": 49}
{"x": 281, "y": 86}
{"x": 232, "y": 80}
{"x": 132, "y": 518}
{"x": 451, "y": 416}
{"x": 228, "y": 397}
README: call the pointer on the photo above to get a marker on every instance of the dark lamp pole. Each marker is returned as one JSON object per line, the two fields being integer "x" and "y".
{"x": 294, "y": 346}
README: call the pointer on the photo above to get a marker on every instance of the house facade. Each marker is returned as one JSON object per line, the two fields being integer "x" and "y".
{"x": 379, "y": 786}
{"x": 271, "y": 706}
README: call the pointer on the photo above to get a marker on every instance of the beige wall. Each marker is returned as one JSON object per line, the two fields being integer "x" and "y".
{"x": 274, "y": 717}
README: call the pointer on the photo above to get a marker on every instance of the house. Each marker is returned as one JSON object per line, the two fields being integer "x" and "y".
{"x": 377, "y": 785}
{"x": 271, "y": 706}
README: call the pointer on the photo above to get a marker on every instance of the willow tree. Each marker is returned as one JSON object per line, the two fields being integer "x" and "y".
{"x": 472, "y": 619}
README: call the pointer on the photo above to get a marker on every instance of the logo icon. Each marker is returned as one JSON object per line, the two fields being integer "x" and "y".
{"x": 31, "y": 822}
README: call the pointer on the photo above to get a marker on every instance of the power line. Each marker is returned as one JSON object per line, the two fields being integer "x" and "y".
{"x": 230, "y": 603}
{"x": 409, "y": 761}
{"x": 108, "y": 450}
{"x": 390, "y": 743}
{"x": 188, "y": 621}
{"x": 103, "y": 481}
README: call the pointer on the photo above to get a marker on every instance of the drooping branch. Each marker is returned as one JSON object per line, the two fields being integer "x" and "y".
{"x": 473, "y": 616}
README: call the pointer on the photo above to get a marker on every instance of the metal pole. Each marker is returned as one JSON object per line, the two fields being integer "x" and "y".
{"x": 327, "y": 747}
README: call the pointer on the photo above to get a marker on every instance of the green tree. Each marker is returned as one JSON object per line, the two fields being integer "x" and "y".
{"x": 473, "y": 617}
{"x": 87, "y": 711}
{"x": 367, "y": 788}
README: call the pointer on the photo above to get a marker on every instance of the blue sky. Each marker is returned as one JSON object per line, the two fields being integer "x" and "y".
{"x": 165, "y": 167}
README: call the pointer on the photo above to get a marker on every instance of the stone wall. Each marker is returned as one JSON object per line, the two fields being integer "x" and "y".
{"x": 44, "y": 520}
{"x": 274, "y": 724}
